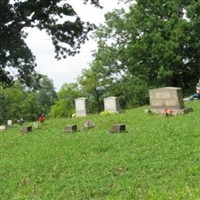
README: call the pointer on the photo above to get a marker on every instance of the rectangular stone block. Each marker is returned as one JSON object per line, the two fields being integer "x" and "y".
{"x": 81, "y": 107}
{"x": 111, "y": 104}
{"x": 26, "y": 129}
{"x": 118, "y": 128}
{"x": 2, "y": 127}
{"x": 166, "y": 97}
{"x": 70, "y": 128}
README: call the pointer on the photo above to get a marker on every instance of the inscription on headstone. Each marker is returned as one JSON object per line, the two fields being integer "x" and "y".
{"x": 111, "y": 104}
{"x": 81, "y": 107}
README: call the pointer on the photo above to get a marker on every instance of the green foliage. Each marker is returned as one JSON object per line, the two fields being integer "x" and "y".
{"x": 64, "y": 106}
{"x": 92, "y": 88}
{"x": 151, "y": 44}
{"x": 17, "y": 102}
{"x": 157, "y": 158}
{"x": 11, "y": 104}
{"x": 15, "y": 16}
{"x": 105, "y": 113}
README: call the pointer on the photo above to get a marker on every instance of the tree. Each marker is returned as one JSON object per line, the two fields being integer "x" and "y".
{"x": 11, "y": 103}
{"x": 153, "y": 44}
{"x": 64, "y": 106}
{"x": 92, "y": 87}
{"x": 56, "y": 17}
{"x": 46, "y": 94}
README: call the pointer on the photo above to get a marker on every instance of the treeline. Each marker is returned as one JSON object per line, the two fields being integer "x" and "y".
{"x": 151, "y": 44}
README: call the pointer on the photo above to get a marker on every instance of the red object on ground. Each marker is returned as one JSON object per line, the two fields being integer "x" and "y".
{"x": 41, "y": 118}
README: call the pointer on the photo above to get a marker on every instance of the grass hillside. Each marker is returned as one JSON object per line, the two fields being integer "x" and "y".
{"x": 157, "y": 158}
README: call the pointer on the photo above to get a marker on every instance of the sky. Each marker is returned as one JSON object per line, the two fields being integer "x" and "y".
{"x": 67, "y": 70}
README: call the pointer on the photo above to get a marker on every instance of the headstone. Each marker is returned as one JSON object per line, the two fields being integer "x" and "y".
{"x": 111, "y": 104}
{"x": 167, "y": 97}
{"x": 81, "y": 107}
{"x": 26, "y": 129}
{"x": 70, "y": 128}
{"x": 2, "y": 127}
{"x": 35, "y": 125}
{"x": 116, "y": 128}
{"x": 9, "y": 122}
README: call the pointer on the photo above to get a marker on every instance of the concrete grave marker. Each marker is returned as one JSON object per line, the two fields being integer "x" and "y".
{"x": 167, "y": 97}
{"x": 9, "y": 122}
{"x": 26, "y": 129}
{"x": 2, "y": 127}
{"x": 117, "y": 128}
{"x": 70, "y": 128}
{"x": 81, "y": 107}
{"x": 111, "y": 104}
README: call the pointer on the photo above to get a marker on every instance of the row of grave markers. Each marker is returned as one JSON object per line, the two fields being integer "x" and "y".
{"x": 160, "y": 98}
{"x": 111, "y": 104}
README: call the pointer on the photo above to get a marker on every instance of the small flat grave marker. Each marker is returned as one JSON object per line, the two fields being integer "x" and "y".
{"x": 26, "y": 129}
{"x": 70, "y": 128}
{"x": 117, "y": 128}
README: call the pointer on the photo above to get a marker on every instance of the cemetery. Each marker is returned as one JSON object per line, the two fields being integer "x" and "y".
{"x": 127, "y": 127}
{"x": 94, "y": 151}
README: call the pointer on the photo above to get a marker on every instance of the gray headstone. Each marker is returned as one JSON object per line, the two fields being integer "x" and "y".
{"x": 81, "y": 107}
{"x": 116, "y": 128}
{"x": 71, "y": 128}
{"x": 167, "y": 97}
{"x": 111, "y": 104}
{"x": 26, "y": 129}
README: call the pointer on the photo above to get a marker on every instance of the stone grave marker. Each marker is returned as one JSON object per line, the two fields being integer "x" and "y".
{"x": 26, "y": 129}
{"x": 9, "y": 122}
{"x": 111, "y": 104}
{"x": 35, "y": 125}
{"x": 167, "y": 98}
{"x": 2, "y": 127}
{"x": 117, "y": 128}
{"x": 70, "y": 128}
{"x": 81, "y": 107}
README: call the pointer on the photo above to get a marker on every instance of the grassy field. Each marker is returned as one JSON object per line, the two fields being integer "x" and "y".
{"x": 157, "y": 158}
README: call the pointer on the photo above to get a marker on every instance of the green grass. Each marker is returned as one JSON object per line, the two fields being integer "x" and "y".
{"x": 157, "y": 158}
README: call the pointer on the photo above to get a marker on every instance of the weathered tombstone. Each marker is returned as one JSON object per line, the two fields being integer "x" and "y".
{"x": 9, "y": 122}
{"x": 111, "y": 104}
{"x": 81, "y": 107}
{"x": 2, "y": 127}
{"x": 35, "y": 125}
{"x": 26, "y": 129}
{"x": 70, "y": 128}
{"x": 117, "y": 128}
{"x": 167, "y": 98}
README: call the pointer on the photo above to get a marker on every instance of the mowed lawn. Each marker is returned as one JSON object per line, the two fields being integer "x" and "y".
{"x": 157, "y": 158}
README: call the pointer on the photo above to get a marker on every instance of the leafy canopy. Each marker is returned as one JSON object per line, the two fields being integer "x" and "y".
{"x": 151, "y": 44}
{"x": 56, "y": 17}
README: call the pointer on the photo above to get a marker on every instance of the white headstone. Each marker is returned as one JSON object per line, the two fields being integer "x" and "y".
{"x": 9, "y": 122}
{"x": 2, "y": 128}
{"x": 81, "y": 107}
{"x": 111, "y": 104}
{"x": 35, "y": 125}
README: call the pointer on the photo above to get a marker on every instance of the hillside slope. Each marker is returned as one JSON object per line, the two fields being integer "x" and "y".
{"x": 158, "y": 157}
